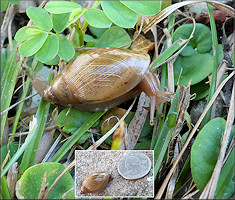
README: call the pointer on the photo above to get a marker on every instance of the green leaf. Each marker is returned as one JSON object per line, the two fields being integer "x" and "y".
{"x": 3, "y": 5}
{"x": 49, "y": 49}
{"x": 114, "y": 37}
{"x": 32, "y": 45}
{"x": 59, "y": 7}
{"x": 40, "y": 17}
{"x": 60, "y": 21}
{"x": 204, "y": 154}
{"x": 97, "y": 18}
{"x": 119, "y": 14}
{"x": 146, "y": 8}
{"x": 196, "y": 68}
{"x": 66, "y": 50}
{"x": 30, "y": 184}
{"x": 22, "y": 34}
{"x": 201, "y": 41}
{"x": 73, "y": 120}
{"x": 201, "y": 89}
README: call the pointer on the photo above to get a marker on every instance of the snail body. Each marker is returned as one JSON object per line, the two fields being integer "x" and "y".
{"x": 95, "y": 182}
{"x": 103, "y": 78}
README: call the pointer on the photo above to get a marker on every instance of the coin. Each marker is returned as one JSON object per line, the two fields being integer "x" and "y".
{"x": 134, "y": 165}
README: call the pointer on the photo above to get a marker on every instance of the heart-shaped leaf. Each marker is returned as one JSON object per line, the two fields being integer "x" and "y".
{"x": 196, "y": 68}
{"x": 97, "y": 18}
{"x": 32, "y": 45}
{"x": 36, "y": 177}
{"x": 201, "y": 41}
{"x": 119, "y": 14}
{"x": 40, "y": 17}
{"x": 49, "y": 49}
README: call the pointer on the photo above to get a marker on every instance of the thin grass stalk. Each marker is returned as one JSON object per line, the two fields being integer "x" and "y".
{"x": 215, "y": 65}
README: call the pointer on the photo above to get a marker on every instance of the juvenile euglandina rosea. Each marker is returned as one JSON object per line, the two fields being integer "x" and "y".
{"x": 95, "y": 182}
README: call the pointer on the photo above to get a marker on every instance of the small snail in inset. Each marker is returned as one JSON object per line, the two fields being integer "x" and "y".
{"x": 103, "y": 78}
{"x": 95, "y": 182}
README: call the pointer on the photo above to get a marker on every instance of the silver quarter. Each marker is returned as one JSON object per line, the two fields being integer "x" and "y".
{"x": 134, "y": 165}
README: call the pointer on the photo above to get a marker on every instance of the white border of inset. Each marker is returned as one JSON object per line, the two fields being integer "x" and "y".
{"x": 99, "y": 197}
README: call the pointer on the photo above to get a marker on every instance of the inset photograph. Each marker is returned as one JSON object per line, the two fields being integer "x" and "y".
{"x": 122, "y": 173}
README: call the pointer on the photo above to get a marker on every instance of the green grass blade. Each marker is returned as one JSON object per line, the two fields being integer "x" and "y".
{"x": 5, "y": 193}
{"x": 164, "y": 137}
{"x": 21, "y": 149}
{"x": 32, "y": 149}
{"x": 167, "y": 53}
{"x": 74, "y": 138}
{"x": 215, "y": 67}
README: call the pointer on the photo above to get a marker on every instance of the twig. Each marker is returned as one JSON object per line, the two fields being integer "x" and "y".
{"x": 161, "y": 190}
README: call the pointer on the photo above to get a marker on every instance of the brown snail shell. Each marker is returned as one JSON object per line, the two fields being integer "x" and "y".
{"x": 95, "y": 182}
{"x": 103, "y": 78}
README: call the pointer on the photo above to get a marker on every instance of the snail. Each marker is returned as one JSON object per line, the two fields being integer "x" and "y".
{"x": 103, "y": 78}
{"x": 95, "y": 182}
